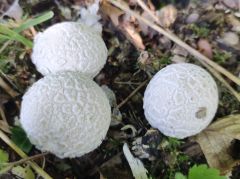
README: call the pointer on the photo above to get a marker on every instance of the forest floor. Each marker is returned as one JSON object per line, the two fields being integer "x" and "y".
{"x": 135, "y": 53}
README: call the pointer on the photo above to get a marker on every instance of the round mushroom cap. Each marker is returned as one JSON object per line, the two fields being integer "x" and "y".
{"x": 69, "y": 46}
{"x": 181, "y": 100}
{"x": 66, "y": 114}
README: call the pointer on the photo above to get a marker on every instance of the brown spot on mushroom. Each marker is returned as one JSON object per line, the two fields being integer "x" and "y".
{"x": 201, "y": 113}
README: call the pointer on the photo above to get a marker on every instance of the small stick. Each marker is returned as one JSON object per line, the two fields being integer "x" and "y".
{"x": 223, "y": 81}
{"x": 145, "y": 8}
{"x": 5, "y": 45}
{"x": 8, "y": 80}
{"x": 33, "y": 31}
{"x": 7, "y": 88}
{"x": 178, "y": 41}
{"x": 38, "y": 169}
{"x": 132, "y": 94}
{"x": 3, "y": 123}
{"x": 27, "y": 159}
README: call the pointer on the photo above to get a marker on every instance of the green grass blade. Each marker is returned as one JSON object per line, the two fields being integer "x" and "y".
{"x": 35, "y": 21}
{"x": 4, "y": 37}
{"x": 15, "y": 36}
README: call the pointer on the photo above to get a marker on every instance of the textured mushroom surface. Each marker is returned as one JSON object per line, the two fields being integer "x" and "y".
{"x": 66, "y": 114}
{"x": 181, "y": 100}
{"x": 69, "y": 46}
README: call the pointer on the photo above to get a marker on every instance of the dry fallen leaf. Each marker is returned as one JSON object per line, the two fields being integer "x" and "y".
{"x": 125, "y": 26}
{"x": 205, "y": 48}
{"x": 215, "y": 142}
{"x": 133, "y": 35}
{"x": 111, "y": 11}
{"x": 167, "y": 15}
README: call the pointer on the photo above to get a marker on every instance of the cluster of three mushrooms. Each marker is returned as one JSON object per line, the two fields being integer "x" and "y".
{"x": 68, "y": 114}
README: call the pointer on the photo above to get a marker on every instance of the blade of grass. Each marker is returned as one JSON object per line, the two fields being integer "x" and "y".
{"x": 15, "y": 36}
{"x": 35, "y": 21}
{"x": 30, "y": 23}
{"x": 38, "y": 169}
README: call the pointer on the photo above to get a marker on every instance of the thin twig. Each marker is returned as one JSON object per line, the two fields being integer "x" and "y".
{"x": 126, "y": 83}
{"x": 26, "y": 159}
{"x": 9, "y": 80}
{"x": 5, "y": 45}
{"x": 132, "y": 94}
{"x": 224, "y": 82}
{"x": 178, "y": 41}
{"x": 38, "y": 169}
{"x": 3, "y": 123}
{"x": 145, "y": 8}
{"x": 212, "y": 70}
{"x": 7, "y": 88}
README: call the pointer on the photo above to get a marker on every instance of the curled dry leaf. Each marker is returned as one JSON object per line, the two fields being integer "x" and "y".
{"x": 111, "y": 11}
{"x": 167, "y": 15}
{"x": 133, "y": 35}
{"x": 137, "y": 167}
{"x": 126, "y": 27}
{"x": 215, "y": 142}
{"x": 205, "y": 48}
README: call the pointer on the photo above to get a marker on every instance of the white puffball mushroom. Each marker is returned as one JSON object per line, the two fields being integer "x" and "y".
{"x": 69, "y": 46}
{"x": 181, "y": 100}
{"x": 66, "y": 114}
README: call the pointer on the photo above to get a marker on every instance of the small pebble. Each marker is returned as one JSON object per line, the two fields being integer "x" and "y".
{"x": 192, "y": 18}
{"x": 230, "y": 38}
{"x": 205, "y": 48}
{"x": 178, "y": 59}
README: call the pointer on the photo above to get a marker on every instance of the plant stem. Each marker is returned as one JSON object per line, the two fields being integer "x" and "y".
{"x": 28, "y": 159}
{"x": 39, "y": 170}
{"x": 7, "y": 88}
{"x": 132, "y": 93}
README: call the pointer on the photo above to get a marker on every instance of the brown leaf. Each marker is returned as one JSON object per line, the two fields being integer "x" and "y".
{"x": 133, "y": 35}
{"x": 205, "y": 48}
{"x": 215, "y": 142}
{"x": 126, "y": 27}
{"x": 167, "y": 15}
{"x": 111, "y": 11}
